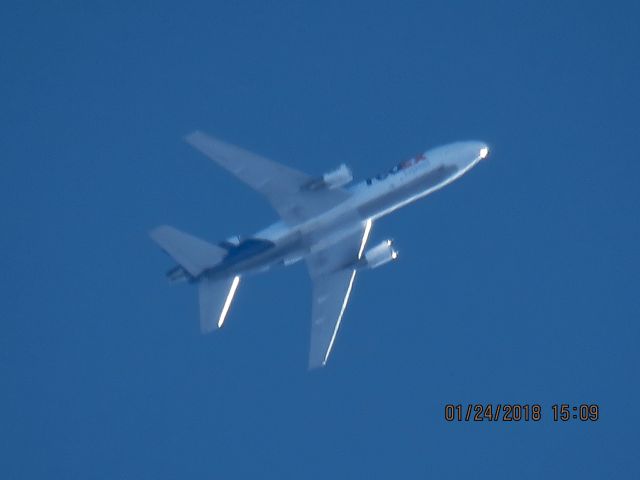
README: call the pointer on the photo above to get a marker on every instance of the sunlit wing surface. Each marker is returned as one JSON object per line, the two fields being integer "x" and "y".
{"x": 332, "y": 274}
{"x": 280, "y": 184}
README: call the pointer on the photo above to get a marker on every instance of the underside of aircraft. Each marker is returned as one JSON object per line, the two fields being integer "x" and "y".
{"x": 322, "y": 223}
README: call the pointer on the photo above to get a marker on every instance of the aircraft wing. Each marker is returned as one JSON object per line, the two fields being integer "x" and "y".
{"x": 280, "y": 184}
{"x": 332, "y": 273}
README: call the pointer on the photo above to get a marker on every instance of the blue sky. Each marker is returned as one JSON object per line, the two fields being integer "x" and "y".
{"x": 517, "y": 284}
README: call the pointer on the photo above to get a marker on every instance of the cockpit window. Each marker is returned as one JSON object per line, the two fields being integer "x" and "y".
{"x": 401, "y": 166}
{"x": 409, "y": 163}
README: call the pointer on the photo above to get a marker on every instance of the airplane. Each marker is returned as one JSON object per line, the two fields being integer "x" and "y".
{"x": 323, "y": 222}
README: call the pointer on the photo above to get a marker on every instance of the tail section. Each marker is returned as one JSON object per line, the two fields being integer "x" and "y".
{"x": 215, "y": 300}
{"x": 194, "y": 256}
{"x": 191, "y": 253}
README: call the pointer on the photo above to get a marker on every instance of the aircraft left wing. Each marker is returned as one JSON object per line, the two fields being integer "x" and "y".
{"x": 332, "y": 273}
{"x": 283, "y": 186}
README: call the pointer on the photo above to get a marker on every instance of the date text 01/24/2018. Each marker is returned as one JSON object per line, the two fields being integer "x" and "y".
{"x": 514, "y": 412}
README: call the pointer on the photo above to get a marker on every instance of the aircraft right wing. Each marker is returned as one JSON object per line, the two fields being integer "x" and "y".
{"x": 283, "y": 186}
{"x": 332, "y": 273}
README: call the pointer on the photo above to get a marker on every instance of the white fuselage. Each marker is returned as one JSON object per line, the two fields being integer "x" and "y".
{"x": 369, "y": 200}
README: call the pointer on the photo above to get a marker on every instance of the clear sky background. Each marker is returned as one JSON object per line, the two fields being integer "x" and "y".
{"x": 518, "y": 283}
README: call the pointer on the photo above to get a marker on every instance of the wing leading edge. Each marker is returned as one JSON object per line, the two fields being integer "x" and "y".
{"x": 283, "y": 186}
{"x": 332, "y": 273}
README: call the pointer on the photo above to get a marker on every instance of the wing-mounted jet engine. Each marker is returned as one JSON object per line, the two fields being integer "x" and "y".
{"x": 379, "y": 255}
{"x": 334, "y": 179}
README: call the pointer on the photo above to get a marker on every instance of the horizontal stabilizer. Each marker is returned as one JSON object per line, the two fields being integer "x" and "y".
{"x": 215, "y": 300}
{"x": 191, "y": 253}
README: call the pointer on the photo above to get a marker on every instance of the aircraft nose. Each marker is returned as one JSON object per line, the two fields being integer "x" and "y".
{"x": 474, "y": 152}
{"x": 484, "y": 151}
{"x": 461, "y": 155}
{"x": 466, "y": 154}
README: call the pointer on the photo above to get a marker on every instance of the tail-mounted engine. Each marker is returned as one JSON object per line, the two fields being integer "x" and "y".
{"x": 379, "y": 255}
{"x": 178, "y": 274}
{"x": 333, "y": 179}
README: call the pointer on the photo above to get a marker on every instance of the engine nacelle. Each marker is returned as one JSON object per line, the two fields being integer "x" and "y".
{"x": 178, "y": 274}
{"x": 379, "y": 255}
{"x": 338, "y": 177}
{"x": 333, "y": 179}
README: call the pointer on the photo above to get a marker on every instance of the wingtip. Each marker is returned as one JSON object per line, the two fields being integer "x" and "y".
{"x": 315, "y": 365}
{"x": 158, "y": 231}
{"x": 153, "y": 233}
{"x": 191, "y": 135}
{"x": 206, "y": 330}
